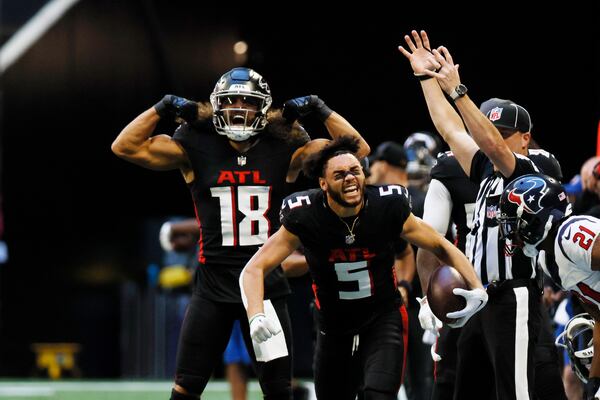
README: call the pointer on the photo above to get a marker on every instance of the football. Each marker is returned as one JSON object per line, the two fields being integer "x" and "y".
{"x": 439, "y": 293}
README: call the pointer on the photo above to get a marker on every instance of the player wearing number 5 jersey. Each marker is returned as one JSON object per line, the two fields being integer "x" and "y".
{"x": 236, "y": 156}
{"x": 348, "y": 231}
{"x": 535, "y": 215}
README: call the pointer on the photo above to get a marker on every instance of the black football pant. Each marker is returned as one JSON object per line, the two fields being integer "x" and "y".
{"x": 204, "y": 335}
{"x": 496, "y": 347}
{"x": 375, "y": 358}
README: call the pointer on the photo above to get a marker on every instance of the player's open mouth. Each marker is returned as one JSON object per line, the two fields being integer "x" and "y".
{"x": 351, "y": 189}
{"x": 238, "y": 119}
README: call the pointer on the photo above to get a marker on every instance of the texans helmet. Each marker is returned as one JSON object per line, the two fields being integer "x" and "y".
{"x": 240, "y": 101}
{"x": 529, "y": 206}
{"x": 577, "y": 339}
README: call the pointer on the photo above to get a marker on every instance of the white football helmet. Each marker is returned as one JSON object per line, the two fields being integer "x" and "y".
{"x": 577, "y": 339}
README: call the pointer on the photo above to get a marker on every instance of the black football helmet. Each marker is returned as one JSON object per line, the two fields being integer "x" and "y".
{"x": 577, "y": 339}
{"x": 241, "y": 122}
{"x": 530, "y": 205}
{"x": 421, "y": 149}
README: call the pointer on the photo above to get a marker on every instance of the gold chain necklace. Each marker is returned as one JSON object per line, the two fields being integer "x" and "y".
{"x": 351, "y": 237}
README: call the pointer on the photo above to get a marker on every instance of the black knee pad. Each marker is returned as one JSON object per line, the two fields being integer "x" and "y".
{"x": 381, "y": 385}
{"x": 279, "y": 389}
{"x": 175, "y": 395}
{"x": 371, "y": 394}
{"x": 192, "y": 383}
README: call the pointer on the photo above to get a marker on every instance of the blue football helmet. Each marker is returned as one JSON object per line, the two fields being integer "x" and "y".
{"x": 240, "y": 101}
{"x": 529, "y": 206}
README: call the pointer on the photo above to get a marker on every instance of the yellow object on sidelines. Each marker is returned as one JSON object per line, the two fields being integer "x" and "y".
{"x": 56, "y": 357}
{"x": 174, "y": 277}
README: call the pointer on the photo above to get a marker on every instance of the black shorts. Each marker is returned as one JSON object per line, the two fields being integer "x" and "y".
{"x": 374, "y": 358}
{"x": 204, "y": 335}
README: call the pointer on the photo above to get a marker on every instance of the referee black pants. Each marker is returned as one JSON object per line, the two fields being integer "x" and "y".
{"x": 204, "y": 335}
{"x": 496, "y": 348}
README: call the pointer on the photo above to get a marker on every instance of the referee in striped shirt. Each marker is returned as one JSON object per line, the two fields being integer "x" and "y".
{"x": 501, "y": 338}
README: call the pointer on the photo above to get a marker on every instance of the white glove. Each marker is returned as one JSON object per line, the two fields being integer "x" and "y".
{"x": 261, "y": 328}
{"x": 476, "y": 300}
{"x": 430, "y": 338}
{"x": 428, "y": 321}
{"x": 165, "y": 237}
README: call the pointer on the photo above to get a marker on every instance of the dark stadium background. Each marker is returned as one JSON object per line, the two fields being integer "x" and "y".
{"x": 74, "y": 213}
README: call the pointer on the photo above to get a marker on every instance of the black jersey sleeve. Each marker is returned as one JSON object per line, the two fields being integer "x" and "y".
{"x": 479, "y": 166}
{"x": 447, "y": 167}
{"x": 184, "y": 136}
{"x": 292, "y": 209}
{"x": 523, "y": 166}
{"x": 547, "y": 163}
{"x": 396, "y": 201}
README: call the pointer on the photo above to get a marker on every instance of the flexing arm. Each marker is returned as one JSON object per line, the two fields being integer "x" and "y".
{"x": 336, "y": 125}
{"x": 445, "y": 118}
{"x": 159, "y": 152}
{"x": 484, "y": 133}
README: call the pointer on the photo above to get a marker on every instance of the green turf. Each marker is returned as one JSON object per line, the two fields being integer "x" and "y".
{"x": 108, "y": 390}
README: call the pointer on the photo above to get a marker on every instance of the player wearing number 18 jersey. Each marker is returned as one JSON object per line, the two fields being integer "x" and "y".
{"x": 348, "y": 231}
{"x": 236, "y": 158}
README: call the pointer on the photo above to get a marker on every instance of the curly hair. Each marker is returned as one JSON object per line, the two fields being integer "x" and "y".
{"x": 277, "y": 127}
{"x": 314, "y": 166}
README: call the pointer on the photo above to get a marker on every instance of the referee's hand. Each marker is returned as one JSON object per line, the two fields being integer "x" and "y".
{"x": 476, "y": 300}
{"x": 261, "y": 328}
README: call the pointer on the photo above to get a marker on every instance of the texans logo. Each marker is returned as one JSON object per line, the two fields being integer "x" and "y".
{"x": 528, "y": 194}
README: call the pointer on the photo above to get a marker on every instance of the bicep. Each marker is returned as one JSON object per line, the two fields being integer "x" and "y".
{"x": 300, "y": 155}
{"x": 438, "y": 206}
{"x": 161, "y": 153}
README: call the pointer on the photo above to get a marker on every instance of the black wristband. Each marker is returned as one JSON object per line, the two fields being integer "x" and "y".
{"x": 323, "y": 112}
{"x": 406, "y": 285}
{"x": 423, "y": 77}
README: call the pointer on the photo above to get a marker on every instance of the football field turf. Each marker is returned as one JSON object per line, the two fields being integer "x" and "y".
{"x": 108, "y": 390}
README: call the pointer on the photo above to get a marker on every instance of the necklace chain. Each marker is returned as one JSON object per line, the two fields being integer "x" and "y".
{"x": 350, "y": 238}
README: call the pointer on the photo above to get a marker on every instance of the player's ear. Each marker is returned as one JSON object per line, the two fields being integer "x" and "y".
{"x": 525, "y": 139}
{"x": 322, "y": 183}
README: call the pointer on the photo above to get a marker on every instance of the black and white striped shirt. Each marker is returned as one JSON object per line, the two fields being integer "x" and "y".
{"x": 495, "y": 259}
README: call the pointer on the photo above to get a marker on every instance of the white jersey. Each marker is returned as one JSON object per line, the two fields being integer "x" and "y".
{"x": 571, "y": 267}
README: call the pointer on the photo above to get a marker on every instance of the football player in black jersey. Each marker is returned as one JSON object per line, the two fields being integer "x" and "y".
{"x": 502, "y": 340}
{"x": 236, "y": 156}
{"x": 347, "y": 231}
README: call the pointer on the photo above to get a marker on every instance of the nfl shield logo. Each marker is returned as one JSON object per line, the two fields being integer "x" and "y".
{"x": 491, "y": 212}
{"x": 241, "y": 161}
{"x": 495, "y": 114}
